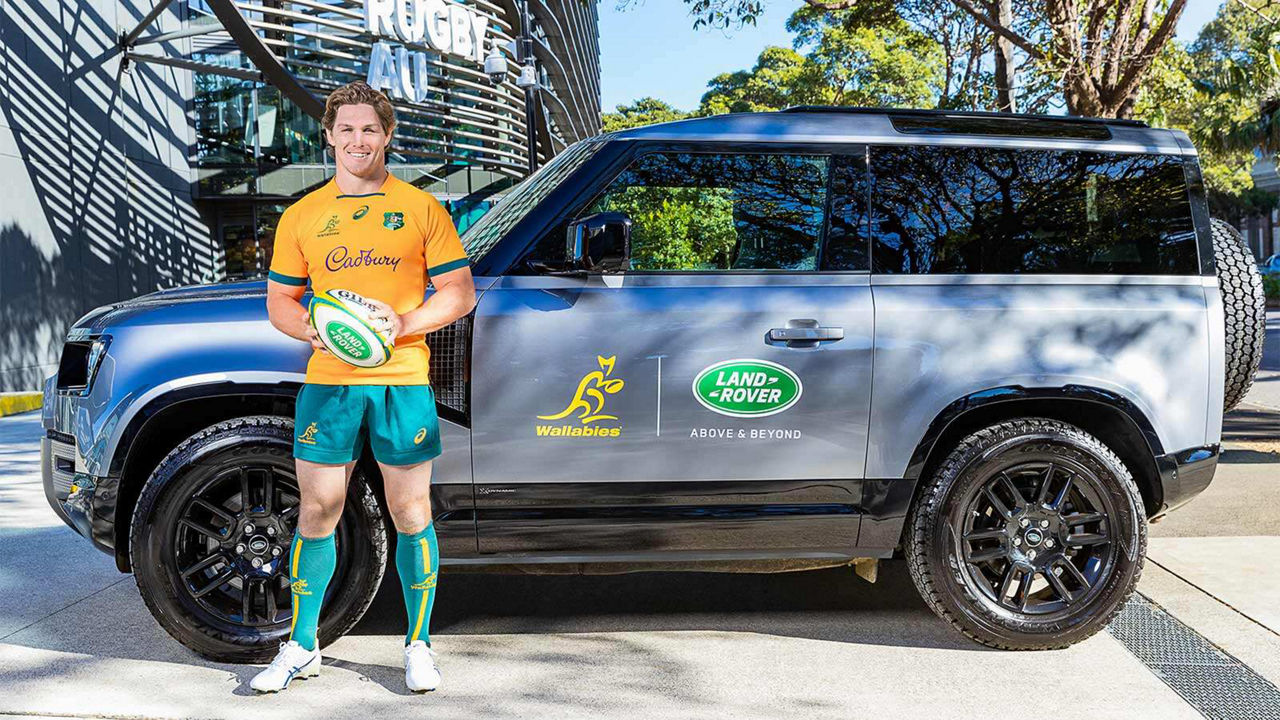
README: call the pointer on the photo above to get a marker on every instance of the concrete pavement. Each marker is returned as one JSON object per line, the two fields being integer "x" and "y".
{"x": 76, "y": 640}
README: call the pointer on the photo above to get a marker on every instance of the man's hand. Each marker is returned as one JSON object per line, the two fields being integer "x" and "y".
{"x": 387, "y": 319}
{"x": 314, "y": 337}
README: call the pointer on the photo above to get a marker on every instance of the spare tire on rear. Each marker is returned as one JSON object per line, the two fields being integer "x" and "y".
{"x": 1244, "y": 306}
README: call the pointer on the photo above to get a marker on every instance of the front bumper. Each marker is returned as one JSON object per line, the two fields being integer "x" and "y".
{"x": 84, "y": 503}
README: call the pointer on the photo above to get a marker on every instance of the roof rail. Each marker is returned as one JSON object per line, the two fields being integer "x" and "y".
{"x": 912, "y": 112}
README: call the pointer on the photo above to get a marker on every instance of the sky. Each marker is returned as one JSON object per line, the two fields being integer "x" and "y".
{"x": 649, "y": 47}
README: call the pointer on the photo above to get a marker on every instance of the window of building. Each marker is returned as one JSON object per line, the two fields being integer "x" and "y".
{"x": 714, "y": 212}
{"x": 989, "y": 210}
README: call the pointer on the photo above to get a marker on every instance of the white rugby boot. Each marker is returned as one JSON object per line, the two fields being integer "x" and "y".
{"x": 420, "y": 671}
{"x": 293, "y": 661}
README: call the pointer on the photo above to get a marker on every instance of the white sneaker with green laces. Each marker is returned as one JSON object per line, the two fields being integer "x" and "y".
{"x": 420, "y": 671}
{"x": 293, "y": 661}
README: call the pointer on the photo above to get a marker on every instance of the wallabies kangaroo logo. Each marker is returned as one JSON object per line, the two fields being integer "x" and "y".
{"x": 308, "y": 436}
{"x": 588, "y": 401}
{"x": 427, "y": 584}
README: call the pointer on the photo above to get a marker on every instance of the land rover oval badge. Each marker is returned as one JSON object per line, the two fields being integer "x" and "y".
{"x": 747, "y": 388}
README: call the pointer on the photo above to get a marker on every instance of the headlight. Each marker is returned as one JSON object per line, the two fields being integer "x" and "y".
{"x": 79, "y": 363}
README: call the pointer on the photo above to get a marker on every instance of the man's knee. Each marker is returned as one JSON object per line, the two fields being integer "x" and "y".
{"x": 410, "y": 515}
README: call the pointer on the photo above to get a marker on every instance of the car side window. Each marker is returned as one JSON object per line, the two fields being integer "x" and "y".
{"x": 716, "y": 212}
{"x": 847, "y": 247}
{"x": 994, "y": 210}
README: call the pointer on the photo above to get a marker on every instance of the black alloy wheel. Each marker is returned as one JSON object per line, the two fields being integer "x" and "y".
{"x": 1029, "y": 535}
{"x": 211, "y": 537}
{"x": 1035, "y": 537}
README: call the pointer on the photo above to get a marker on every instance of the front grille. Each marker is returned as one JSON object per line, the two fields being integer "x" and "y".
{"x": 450, "y": 368}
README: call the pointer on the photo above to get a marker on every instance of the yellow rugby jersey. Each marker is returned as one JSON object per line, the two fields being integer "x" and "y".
{"x": 383, "y": 245}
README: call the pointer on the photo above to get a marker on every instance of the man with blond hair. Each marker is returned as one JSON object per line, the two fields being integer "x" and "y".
{"x": 368, "y": 232}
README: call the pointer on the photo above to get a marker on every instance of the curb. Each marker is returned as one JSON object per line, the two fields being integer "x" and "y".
{"x": 19, "y": 402}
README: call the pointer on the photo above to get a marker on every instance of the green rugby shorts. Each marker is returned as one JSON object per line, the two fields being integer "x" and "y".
{"x": 332, "y": 421}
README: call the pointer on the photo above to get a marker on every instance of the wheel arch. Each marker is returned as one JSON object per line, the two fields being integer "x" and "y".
{"x": 166, "y": 421}
{"x": 1112, "y": 418}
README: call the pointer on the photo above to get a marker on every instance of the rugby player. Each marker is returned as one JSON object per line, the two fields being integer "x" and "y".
{"x": 371, "y": 233}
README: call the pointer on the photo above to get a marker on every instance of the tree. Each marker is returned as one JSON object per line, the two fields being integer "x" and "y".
{"x": 1222, "y": 90}
{"x": 1101, "y": 50}
{"x": 891, "y": 66}
{"x": 781, "y": 77}
{"x": 645, "y": 111}
{"x": 924, "y": 33}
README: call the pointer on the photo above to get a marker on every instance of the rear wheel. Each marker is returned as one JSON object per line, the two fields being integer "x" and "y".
{"x": 1030, "y": 535}
{"x": 210, "y": 540}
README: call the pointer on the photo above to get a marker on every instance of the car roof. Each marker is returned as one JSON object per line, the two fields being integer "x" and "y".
{"x": 917, "y": 127}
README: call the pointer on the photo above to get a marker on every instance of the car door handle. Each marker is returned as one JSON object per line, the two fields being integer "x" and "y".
{"x": 805, "y": 333}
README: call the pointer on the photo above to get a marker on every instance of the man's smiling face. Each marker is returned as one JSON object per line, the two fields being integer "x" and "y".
{"x": 358, "y": 140}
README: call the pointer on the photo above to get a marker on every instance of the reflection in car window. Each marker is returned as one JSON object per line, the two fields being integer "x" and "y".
{"x": 990, "y": 210}
{"x": 721, "y": 212}
{"x": 519, "y": 200}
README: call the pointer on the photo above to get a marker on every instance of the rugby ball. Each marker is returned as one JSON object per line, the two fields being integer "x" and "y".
{"x": 347, "y": 327}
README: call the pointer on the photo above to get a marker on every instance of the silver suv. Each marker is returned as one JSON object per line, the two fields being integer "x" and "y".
{"x": 994, "y": 345}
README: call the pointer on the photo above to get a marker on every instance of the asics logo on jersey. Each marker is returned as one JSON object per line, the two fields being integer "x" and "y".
{"x": 364, "y": 210}
{"x": 427, "y": 584}
{"x": 299, "y": 587}
{"x": 341, "y": 258}
{"x": 422, "y": 435}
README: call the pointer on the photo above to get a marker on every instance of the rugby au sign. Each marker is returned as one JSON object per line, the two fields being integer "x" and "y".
{"x": 447, "y": 27}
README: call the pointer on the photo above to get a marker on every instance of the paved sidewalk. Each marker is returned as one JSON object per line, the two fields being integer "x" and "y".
{"x": 76, "y": 640}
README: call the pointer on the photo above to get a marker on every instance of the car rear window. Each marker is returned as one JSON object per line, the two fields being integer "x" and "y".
{"x": 996, "y": 210}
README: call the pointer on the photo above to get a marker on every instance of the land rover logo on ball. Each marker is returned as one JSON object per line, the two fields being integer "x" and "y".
{"x": 747, "y": 388}
{"x": 344, "y": 337}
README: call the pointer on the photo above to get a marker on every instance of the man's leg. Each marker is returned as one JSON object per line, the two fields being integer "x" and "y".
{"x": 408, "y": 489}
{"x": 405, "y": 436}
{"x": 312, "y": 556}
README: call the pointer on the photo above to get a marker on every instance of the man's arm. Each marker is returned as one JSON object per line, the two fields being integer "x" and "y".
{"x": 454, "y": 297}
{"x": 287, "y": 314}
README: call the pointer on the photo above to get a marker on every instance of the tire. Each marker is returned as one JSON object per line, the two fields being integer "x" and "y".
{"x": 961, "y": 549}
{"x": 192, "y": 507}
{"x": 1244, "y": 306}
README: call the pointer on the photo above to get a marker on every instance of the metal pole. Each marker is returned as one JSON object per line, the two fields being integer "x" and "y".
{"x": 524, "y": 55}
{"x": 127, "y": 39}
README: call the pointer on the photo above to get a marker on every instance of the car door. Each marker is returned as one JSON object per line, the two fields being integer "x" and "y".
{"x": 711, "y": 399}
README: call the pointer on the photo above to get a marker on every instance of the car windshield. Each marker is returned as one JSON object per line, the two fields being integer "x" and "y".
{"x": 516, "y": 203}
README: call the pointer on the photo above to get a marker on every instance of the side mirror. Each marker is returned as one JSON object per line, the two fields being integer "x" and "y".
{"x": 600, "y": 243}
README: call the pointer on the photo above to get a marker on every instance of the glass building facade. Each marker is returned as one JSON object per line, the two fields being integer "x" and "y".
{"x": 256, "y": 150}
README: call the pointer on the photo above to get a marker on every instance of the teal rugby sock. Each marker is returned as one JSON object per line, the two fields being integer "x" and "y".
{"x": 417, "y": 557}
{"x": 311, "y": 563}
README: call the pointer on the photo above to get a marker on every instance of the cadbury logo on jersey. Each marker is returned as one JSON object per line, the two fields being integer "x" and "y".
{"x": 340, "y": 258}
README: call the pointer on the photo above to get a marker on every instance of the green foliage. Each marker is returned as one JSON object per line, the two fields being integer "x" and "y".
{"x": 676, "y": 227}
{"x": 780, "y": 78}
{"x": 1215, "y": 90}
{"x": 645, "y": 111}
{"x": 1271, "y": 286}
{"x": 846, "y": 63}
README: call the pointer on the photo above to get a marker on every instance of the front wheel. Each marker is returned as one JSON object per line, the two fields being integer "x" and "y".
{"x": 210, "y": 540}
{"x": 1030, "y": 535}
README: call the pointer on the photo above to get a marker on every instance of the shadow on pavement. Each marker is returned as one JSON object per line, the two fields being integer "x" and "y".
{"x": 833, "y": 605}
{"x": 1249, "y": 457}
{"x": 1245, "y": 424}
